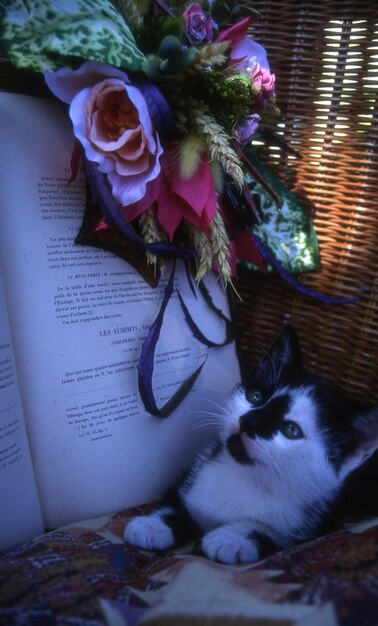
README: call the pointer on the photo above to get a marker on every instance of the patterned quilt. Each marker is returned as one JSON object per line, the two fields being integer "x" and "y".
{"x": 85, "y": 575}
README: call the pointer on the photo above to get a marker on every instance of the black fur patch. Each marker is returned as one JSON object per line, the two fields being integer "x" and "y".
{"x": 183, "y": 527}
{"x": 237, "y": 450}
{"x": 265, "y": 545}
{"x": 359, "y": 492}
{"x": 335, "y": 415}
{"x": 265, "y": 421}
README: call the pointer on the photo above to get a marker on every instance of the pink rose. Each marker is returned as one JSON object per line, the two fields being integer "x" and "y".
{"x": 263, "y": 82}
{"x": 198, "y": 26}
{"x": 246, "y": 128}
{"x": 111, "y": 120}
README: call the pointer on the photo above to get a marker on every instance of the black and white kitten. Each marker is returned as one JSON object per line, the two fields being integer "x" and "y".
{"x": 288, "y": 442}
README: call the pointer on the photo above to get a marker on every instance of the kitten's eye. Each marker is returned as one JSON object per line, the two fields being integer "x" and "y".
{"x": 254, "y": 397}
{"x": 291, "y": 430}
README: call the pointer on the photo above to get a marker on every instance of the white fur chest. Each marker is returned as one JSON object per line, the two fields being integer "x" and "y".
{"x": 225, "y": 491}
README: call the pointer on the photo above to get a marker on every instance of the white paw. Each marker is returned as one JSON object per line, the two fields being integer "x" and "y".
{"x": 149, "y": 533}
{"x": 228, "y": 546}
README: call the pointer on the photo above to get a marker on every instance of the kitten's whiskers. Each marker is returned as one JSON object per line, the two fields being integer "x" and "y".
{"x": 212, "y": 420}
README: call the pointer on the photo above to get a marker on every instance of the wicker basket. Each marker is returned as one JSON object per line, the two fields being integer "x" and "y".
{"x": 325, "y": 57}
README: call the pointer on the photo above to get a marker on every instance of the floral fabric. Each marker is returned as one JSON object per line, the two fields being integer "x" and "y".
{"x": 85, "y": 575}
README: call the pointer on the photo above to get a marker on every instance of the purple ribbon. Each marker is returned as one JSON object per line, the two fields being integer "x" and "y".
{"x": 198, "y": 334}
{"x": 102, "y": 196}
{"x": 158, "y": 108}
{"x": 147, "y": 356}
{"x": 146, "y": 363}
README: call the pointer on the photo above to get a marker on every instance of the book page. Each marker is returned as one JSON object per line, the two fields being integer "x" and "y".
{"x": 20, "y": 511}
{"x": 79, "y": 318}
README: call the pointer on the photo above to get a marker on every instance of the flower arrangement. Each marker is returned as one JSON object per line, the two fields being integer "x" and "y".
{"x": 163, "y": 102}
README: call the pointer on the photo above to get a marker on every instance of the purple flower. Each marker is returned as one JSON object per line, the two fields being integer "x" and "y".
{"x": 246, "y": 127}
{"x": 111, "y": 120}
{"x": 198, "y": 25}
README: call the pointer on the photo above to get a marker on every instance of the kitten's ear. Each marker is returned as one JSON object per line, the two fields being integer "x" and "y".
{"x": 286, "y": 350}
{"x": 284, "y": 360}
{"x": 365, "y": 435}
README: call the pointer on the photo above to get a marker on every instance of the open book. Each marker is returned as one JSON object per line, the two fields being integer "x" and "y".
{"x": 75, "y": 438}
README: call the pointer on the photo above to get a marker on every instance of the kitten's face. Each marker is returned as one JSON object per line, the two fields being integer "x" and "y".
{"x": 287, "y": 423}
{"x": 279, "y": 436}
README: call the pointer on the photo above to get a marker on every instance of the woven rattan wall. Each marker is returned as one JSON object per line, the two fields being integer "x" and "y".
{"x": 325, "y": 57}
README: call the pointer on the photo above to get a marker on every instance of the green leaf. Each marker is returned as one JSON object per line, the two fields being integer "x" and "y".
{"x": 246, "y": 11}
{"x": 221, "y": 10}
{"x": 48, "y": 34}
{"x": 288, "y": 232}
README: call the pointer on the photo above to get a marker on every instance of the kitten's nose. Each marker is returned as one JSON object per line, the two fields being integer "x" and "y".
{"x": 248, "y": 424}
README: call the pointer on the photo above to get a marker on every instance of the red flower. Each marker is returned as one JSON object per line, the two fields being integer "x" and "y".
{"x": 244, "y": 50}
{"x": 243, "y": 248}
{"x": 175, "y": 199}
{"x": 235, "y": 33}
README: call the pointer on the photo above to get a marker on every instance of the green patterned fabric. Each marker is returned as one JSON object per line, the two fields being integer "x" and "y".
{"x": 43, "y": 34}
{"x": 288, "y": 232}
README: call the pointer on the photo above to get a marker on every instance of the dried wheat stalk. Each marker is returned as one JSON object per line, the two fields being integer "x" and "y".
{"x": 210, "y": 55}
{"x": 203, "y": 246}
{"x": 152, "y": 233}
{"x": 219, "y": 146}
{"x": 211, "y": 247}
{"x": 220, "y": 245}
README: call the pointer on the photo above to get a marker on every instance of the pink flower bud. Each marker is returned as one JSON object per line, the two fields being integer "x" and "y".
{"x": 263, "y": 82}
